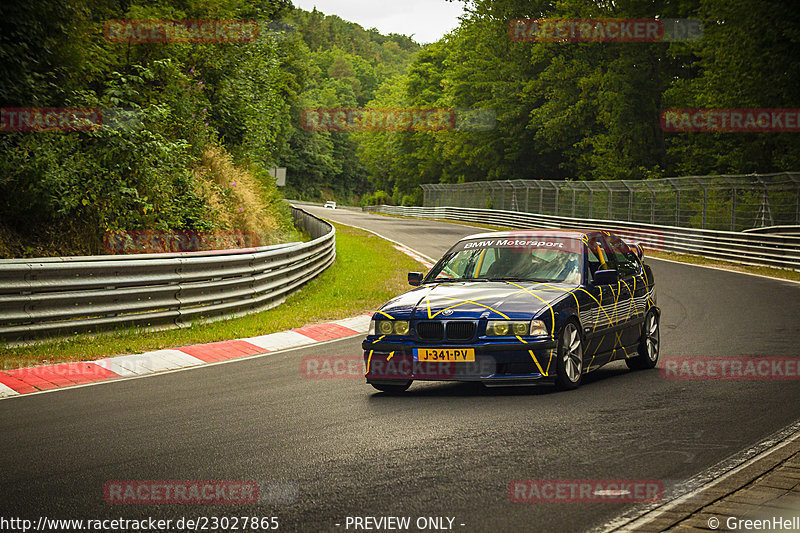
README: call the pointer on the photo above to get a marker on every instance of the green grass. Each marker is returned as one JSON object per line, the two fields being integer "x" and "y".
{"x": 367, "y": 272}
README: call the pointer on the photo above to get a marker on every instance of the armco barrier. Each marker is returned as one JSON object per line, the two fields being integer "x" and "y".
{"x": 55, "y": 296}
{"x": 781, "y": 251}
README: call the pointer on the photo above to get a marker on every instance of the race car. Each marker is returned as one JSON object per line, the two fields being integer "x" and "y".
{"x": 518, "y": 308}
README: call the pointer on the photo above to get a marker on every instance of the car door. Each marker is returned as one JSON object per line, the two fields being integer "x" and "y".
{"x": 628, "y": 314}
{"x": 598, "y": 322}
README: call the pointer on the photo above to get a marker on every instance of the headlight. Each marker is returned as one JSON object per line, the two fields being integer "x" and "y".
{"x": 503, "y": 328}
{"x": 538, "y": 328}
{"x": 389, "y": 327}
{"x": 517, "y": 328}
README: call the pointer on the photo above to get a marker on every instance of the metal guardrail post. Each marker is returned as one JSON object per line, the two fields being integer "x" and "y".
{"x": 555, "y": 202}
{"x": 630, "y": 199}
{"x": 541, "y": 198}
{"x": 705, "y": 201}
{"x": 796, "y": 180}
{"x": 652, "y": 202}
{"x": 574, "y": 194}
{"x": 528, "y": 190}
{"x": 671, "y": 181}
{"x": 610, "y": 200}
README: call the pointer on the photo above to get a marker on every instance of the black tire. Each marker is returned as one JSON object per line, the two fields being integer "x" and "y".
{"x": 569, "y": 357}
{"x": 392, "y": 387}
{"x": 649, "y": 344}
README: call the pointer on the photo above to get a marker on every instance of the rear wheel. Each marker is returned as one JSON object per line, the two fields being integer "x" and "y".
{"x": 392, "y": 387}
{"x": 569, "y": 359}
{"x": 649, "y": 344}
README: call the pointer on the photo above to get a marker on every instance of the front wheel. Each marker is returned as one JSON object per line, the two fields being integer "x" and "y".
{"x": 649, "y": 344}
{"x": 395, "y": 387}
{"x": 569, "y": 358}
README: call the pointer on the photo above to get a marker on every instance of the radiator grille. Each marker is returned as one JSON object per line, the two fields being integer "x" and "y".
{"x": 456, "y": 330}
{"x": 430, "y": 331}
{"x": 460, "y": 330}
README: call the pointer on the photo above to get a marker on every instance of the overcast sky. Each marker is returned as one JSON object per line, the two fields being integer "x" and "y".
{"x": 427, "y": 20}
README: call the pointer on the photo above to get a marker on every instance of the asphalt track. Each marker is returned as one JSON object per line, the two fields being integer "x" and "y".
{"x": 441, "y": 450}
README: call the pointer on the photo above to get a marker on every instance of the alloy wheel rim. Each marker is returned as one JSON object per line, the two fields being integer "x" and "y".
{"x": 573, "y": 353}
{"x": 652, "y": 340}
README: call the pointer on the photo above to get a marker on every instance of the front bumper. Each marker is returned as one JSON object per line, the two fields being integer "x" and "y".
{"x": 495, "y": 363}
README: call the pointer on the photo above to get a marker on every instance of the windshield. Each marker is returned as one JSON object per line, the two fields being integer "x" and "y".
{"x": 541, "y": 260}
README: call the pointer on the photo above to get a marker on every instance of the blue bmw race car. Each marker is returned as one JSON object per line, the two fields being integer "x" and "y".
{"x": 518, "y": 307}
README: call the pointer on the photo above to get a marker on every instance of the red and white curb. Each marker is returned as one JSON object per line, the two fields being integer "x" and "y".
{"x": 413, "y": 254}
{"x": 49, "y": 377}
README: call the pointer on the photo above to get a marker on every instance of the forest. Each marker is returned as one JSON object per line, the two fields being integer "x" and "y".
{"x": 194, "y": 127}
{"x": 591, "y": 110}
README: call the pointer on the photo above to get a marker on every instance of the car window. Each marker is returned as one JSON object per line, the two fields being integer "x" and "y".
{"x": 627, "y": 262}
{"x": 598, "y": 254}
{"x": 543, "y": 259}
{"x": 594, "y": 261}
{"x": 462, "y": 264}
{"x": 486, "y": 262}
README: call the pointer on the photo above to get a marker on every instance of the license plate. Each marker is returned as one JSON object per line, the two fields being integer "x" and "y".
{"x": 444, "y": 354}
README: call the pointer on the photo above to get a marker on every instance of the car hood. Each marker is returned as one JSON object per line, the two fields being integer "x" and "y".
{"x": 489, "y": 299}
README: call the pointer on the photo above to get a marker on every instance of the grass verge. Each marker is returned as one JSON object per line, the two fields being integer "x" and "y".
{"x": 368, "y": 271}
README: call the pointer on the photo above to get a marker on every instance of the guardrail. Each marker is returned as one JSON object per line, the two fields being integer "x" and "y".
{"x": 50, "y": 297}
{"x": 781, "y": 251}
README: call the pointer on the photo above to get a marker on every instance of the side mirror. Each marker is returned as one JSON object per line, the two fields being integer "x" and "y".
{"x": 605, "y": 277}
{"x": 415, "y": 278}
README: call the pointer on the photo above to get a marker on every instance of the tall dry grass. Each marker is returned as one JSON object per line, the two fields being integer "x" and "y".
{"x": 239, "y": 201}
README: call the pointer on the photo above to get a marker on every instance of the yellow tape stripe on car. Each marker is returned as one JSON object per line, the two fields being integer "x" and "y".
{"x": 480, "y": 262}
{"x": 629, "y": 307}
{"x": 462, "y": 302}
{"x": 369, "y": 360}
{"x": 543, "y": 372}
{"x": 550, "y": 307}
{"x": 537, "y": 363}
